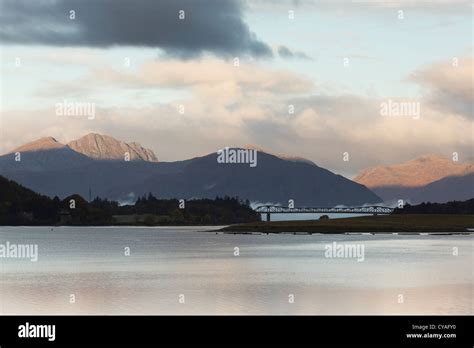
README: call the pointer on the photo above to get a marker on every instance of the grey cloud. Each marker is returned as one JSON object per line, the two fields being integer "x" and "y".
{"x": 449, "y": 101}
{"x": 353, "y": 108}
{"x": 449, "y": 87}
{"x": 213, "y": 26}
{"x": 285, "y": 52}
{"x": 431, "y": 7}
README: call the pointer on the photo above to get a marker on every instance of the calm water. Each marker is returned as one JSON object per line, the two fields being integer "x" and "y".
{"x": 421, "y": 272}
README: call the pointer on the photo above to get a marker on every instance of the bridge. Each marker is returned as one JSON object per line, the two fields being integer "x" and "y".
{"x": 275, "y": 209}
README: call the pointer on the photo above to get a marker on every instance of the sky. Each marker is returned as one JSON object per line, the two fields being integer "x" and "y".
{"x": 188, "y": 77}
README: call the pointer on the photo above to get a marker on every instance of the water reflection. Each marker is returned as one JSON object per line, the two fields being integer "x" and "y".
{"x": 166, "y": 263}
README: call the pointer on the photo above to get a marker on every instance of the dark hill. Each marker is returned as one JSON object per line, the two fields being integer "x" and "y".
{"x": 60, "y": 171}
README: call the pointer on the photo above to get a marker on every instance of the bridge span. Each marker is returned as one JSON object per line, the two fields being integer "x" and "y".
{"x": 275, "y": 209}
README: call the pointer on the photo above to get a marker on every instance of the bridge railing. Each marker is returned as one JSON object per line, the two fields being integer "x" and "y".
{"x": 274, "y": 209}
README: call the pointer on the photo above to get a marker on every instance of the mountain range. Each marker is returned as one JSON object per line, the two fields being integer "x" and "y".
{"x": 96, "y": 163}
{"x": 103, "y": 166}
{"x": 105, "y": 147}
{"x": 427, "y": 178}
{"x": 93, "y": 145}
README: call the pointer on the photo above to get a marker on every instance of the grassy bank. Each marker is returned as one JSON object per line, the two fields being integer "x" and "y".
{"x": 382, "y": 223}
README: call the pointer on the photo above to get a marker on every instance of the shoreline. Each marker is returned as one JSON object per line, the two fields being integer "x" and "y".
{"x": 462, "y": 233}
{"x": 383, "y": 224}
{"x": 394, "y": 224}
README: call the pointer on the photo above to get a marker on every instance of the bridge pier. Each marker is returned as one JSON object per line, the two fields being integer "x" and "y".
{"x": 268, "y": 216}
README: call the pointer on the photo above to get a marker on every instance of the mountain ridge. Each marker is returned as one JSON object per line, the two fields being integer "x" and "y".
{"x": 105, "y": 147}
{"x": 93, "y": 145}
{"x": 97, "y": 161}
{"x": 273, "y": 179}
{"x": 417, "y": 172}
{"x": 44, "y": 143}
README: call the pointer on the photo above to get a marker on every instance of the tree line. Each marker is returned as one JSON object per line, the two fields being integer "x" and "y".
{"x": 453, "y": 207}
{"x": 22, "y": 206}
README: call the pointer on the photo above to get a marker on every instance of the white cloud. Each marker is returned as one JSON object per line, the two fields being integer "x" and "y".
{"x": 449, "y": 85}
{"x": 249, "y": 104}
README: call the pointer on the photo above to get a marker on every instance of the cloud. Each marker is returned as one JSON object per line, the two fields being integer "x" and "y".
{"x": 324, "y": 127}
{"x": 228, "y": 105}
{"x": 214, "y": 76}
{"x": 419, "y": 4}
{"x": 208, "y": 26}
{"x": 321, "y": 129}
{"x": 449, "y": 85}
{"x": 445, "y": 7}
{"x": 285, "y": 52}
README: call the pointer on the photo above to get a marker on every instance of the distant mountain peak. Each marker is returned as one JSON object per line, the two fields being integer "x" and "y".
{"x": 420, "y": 171}
{"x": 105, "y": 147}
{"x": 279, "y": 155}
{"x": 45, "y": 143}
{"x": 430, "y": 158}
{"x": 50, "y": 139}
{"x": 95, "y": 135}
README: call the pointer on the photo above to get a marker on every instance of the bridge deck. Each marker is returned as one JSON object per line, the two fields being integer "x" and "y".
{"x": 343, "y": 210}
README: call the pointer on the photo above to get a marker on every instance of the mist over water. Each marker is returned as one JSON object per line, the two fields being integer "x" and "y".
{"x": 168, "y": 262}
